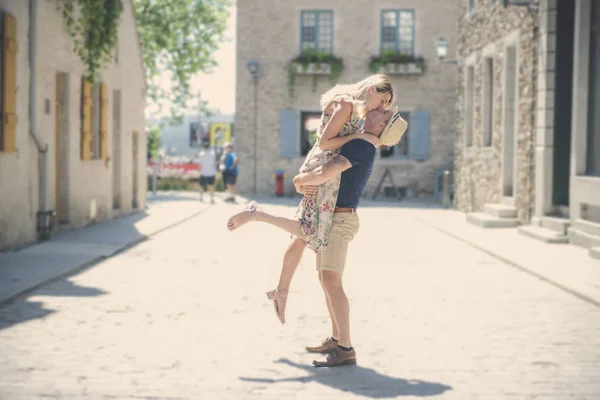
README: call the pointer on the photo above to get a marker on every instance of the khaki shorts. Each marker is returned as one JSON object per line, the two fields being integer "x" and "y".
{"x": 343, "y": 229}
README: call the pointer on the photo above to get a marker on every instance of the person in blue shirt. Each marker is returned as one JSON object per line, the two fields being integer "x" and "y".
{"x": 355, "y": 164}
{"x": 230, "y": 172}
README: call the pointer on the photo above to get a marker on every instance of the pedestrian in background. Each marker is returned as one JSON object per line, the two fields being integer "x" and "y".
{"x": 230, "y": 172}
{"x": 208, "y": 170}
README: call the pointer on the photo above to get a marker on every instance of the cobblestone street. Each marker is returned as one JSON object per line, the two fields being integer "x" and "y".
{"x": 184, "y": 316}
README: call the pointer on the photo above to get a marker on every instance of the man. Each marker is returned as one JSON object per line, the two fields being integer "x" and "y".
{"x": 355, "y": 163}
{"x": 208, "y": 170}
{"x": 230, "y": 172}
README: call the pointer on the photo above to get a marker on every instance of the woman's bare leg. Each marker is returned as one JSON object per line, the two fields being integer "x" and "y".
{"x": 289, "y": 225}
{"x": 291, "y": 259}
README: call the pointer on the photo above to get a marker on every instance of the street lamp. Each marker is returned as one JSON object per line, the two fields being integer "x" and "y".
{"x": 254, "y": 68}
{"x": 441, "y": 50}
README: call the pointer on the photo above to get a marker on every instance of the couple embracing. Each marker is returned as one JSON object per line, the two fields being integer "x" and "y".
{"x": 332, "y": 179}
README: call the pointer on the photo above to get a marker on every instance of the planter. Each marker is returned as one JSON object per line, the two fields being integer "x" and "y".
{"x": 313, "y": 68}
{"x": 412, "y": 68}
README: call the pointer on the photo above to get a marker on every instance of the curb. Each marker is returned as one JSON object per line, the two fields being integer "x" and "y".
{"x": 513, "y": 264}
{"x": 90, "y": 263}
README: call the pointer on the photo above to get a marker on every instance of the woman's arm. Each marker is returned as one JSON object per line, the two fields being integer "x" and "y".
{"x": 341, "y": 113}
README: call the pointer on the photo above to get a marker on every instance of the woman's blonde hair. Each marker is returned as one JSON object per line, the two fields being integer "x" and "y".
{"x": 357, "y": 93}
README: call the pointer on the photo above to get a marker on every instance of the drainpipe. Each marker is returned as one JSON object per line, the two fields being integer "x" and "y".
{"x": 44, "y": 217}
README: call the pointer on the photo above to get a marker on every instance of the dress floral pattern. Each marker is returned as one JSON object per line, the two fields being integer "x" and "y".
{"x": 315, "y": 213}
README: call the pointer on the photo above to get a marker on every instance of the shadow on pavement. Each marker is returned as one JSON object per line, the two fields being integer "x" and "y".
{"x": 359, "y": 381}
{"x": 23, "y": 309}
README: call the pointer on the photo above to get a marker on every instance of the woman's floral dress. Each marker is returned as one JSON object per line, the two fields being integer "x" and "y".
{"x": 315, "y": 213}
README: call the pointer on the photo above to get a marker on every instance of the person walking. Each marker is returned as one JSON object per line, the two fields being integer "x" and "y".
{"x": 230, "y": 172}
{"x": 208, "y": 170}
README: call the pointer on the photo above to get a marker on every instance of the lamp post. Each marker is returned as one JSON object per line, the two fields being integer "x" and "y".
{"x": 254, "y": 69}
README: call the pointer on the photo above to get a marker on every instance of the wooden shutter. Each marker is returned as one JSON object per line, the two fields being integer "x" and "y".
{"x": 9, "y": 80}
{"x": 103, "y": 122}
{"x": 419, "y": 140}
{"x": 86, "y": 120}
{"x": 289, "y": 140}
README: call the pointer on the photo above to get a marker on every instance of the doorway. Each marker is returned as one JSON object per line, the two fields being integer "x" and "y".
{"x": 116, "y": 149}
{"x": 62, "y": 148}
{"x": 509, "y": 159}
{"x": 563, "y": 95}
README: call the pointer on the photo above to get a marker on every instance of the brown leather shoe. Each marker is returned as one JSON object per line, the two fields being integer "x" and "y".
{"x": 336, "y": 358}
{"x": 325, "y": 347}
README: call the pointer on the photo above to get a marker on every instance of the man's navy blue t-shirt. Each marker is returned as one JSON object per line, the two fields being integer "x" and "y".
{"x": 361, "y": 155}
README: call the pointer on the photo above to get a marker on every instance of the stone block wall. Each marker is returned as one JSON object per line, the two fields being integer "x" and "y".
{"x": 485, "y": 32}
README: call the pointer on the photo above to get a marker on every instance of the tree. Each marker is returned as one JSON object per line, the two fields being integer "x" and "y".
{"x": 179, "y": 36}
{"x": 153, "y": 142}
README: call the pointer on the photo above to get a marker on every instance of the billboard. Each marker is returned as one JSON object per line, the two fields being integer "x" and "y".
{"x": 197, "y": 134}
{"x": 220, "y": 133}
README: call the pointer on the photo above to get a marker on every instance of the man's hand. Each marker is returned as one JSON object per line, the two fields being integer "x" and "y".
{"x": 308, "y": 190}
{"x": 374, "y": 140}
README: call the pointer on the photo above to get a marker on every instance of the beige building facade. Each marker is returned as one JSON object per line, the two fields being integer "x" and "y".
{"x": 531, "y": 77}
{"x": 275, "y": 129}
{"x": 70, "y": 149}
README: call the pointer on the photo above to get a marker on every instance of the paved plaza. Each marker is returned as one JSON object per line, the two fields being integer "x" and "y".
{"x": 183, "y": 315}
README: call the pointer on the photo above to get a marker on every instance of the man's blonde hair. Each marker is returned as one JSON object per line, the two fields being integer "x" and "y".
{"x": 357, "y": 93}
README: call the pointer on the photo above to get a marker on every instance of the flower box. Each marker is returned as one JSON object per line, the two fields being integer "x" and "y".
{"x": 313, "y": 68}
{"x": 412, "y": 68}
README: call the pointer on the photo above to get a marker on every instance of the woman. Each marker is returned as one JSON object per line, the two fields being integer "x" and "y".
{"x": 343, "y": 107}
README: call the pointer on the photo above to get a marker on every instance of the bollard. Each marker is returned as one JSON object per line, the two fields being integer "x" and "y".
{"x": 446, "y": 189}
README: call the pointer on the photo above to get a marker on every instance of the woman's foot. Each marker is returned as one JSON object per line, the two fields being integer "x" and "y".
{"x": 279, "y": 298}
{"x": 239, "y": 219}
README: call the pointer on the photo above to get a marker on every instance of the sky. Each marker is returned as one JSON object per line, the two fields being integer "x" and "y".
{"x": 218, "y": 88}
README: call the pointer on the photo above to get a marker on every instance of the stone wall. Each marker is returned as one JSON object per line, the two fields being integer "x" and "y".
{"x": 268, "y": 31}
{"x": 478, "y": 169}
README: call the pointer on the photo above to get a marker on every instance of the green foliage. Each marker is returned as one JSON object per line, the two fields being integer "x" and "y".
{"x": 179, "y": 36}
{"x": 393, "y": 57}
{"x": 153, "y": 142}
{"x": 94, "y": 30}
{"x": 308, "y": 57}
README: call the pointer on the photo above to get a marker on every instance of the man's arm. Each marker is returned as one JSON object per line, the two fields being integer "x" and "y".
{"x": 322, "y": 174}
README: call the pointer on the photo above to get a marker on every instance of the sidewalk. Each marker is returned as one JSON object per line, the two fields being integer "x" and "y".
{"x": 565, "y": 266}
{"x": 24, "y": 270}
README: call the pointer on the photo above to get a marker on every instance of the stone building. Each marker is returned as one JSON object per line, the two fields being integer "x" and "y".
{"x": 69, "y": 148}
{"x": 528, "y": 148}
{"x": 275, "y": 129}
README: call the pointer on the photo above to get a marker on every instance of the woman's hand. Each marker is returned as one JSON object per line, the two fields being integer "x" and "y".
{"x": 374, "y": 140}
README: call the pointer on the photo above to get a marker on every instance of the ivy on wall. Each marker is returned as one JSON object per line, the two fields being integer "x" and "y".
{"x": 93, "y": 25}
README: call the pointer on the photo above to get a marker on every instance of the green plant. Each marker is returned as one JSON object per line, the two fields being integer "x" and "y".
{"x": 393, "y": 57}
{"x": 308, "y": 57}
{"x": 94, "y": 30}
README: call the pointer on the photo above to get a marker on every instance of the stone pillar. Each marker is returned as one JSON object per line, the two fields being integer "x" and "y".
{"x": 544, "y": 145}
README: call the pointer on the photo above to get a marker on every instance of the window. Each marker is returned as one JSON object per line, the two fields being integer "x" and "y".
{"x": 469, "y": 106}
{"x": 398, "y": 31}
{"x": 400, "y": 150}
{"x": 488, "y": 101}
{"x": 310, "y": 125}
{"x": 471, "y": 5}
{"x": 317, "y": 31}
